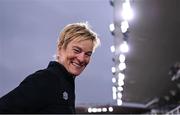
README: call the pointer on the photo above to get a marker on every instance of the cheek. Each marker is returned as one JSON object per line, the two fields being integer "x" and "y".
{"x": 88, "y": 60}
{"x": 62, "y": 56}
{"x": 70, "y": 56}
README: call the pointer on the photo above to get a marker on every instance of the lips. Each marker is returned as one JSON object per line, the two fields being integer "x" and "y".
{"x": 77, "y": 64}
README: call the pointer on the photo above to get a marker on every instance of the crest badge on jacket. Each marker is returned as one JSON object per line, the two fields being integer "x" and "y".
{"x": 65, "y": 95}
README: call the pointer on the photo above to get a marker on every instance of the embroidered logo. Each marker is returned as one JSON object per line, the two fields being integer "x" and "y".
{"x": 65, "y": 95}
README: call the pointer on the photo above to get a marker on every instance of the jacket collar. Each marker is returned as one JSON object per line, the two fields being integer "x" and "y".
{"x": 59, "y": 68}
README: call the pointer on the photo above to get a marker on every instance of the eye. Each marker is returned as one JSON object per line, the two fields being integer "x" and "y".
{"x": 88, "y": 54}
{"x": 76, "y": 50}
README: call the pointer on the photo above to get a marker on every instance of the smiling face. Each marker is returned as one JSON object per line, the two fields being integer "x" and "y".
{"x": 75, "y": 56}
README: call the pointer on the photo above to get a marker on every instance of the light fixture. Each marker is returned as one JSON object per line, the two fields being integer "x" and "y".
{"x": 104, "y": 109}
{"x": 122, "y": 66}
{"x": 112, "y": 48}
{"x": 114, "y": 92}
{"x": 122, "y": 58}
{"x": 110, "y": 109}
{"x": 120, "y": 88}
{"x": 119, "y": 102}
{"x": 113, "y": 69}
{"x": 121, "y": 47}
{"x": 89, "y": 110}
{"x": 112, "y": 28}
{"x": 124, "y": 48}
{"x": 121, "y": 76}
{"x": 119, "y": 94}
{"x": 120, "y": 82}
{"x": 124, "y": 26}
{"x": 127, "y": 13}
{"x": 114, "y": 80}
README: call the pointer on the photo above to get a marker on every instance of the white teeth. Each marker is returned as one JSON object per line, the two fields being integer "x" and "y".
{"x": 77, "y": 65}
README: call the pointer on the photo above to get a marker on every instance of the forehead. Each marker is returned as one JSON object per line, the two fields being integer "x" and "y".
{"x": 86, "y": 44}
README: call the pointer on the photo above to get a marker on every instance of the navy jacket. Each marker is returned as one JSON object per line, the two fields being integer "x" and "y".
{"x": 51, "y": 90}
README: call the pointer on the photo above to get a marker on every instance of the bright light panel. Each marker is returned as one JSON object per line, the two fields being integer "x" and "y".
{"x": 110, "y": 109}
{"x": 121, "y": 76}
{"x": 122, "y": 58}
{"x": 127, "y": 13}
{"x": 111, "y": 27}
{"x": 122, "y": 66}
{"x": 124, "y": 47}
{"x": 124, "y": 26}
{"x": 119, "y": 102}
{"x": 114, "y": 80}
{"x": 112, "y": 48}
{"x": 113, "y": 69}
{"x": 120, "y": 88}
{"x": 120, "y": 82}
{"x": 119, "y": 95}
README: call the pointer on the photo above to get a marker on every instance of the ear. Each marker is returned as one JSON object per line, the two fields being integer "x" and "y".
{"x": 59, "y": 47}
{"x": 58, "y": 51}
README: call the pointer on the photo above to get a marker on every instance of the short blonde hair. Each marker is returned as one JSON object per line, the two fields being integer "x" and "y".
{"x": 79, "y": 31}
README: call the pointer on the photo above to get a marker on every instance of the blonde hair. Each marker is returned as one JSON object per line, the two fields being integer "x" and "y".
{"x": 80, "y": 31}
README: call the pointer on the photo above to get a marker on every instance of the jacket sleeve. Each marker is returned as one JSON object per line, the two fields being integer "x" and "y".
{"x": 30, "y": 96}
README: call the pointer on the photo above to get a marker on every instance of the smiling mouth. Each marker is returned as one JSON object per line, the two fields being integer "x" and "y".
{"x": 77, "y": 65}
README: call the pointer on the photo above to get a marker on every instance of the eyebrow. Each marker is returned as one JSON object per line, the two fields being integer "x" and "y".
{"x": 82, "y": 49}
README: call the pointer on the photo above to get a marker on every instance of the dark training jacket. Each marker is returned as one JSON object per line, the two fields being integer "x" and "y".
{"x": 51, "y": 90}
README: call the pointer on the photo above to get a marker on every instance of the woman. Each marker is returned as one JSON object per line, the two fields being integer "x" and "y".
{"x": 52, "y": 90}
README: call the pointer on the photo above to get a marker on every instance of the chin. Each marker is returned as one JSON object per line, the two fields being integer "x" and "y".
{"x": 75, "y": 73}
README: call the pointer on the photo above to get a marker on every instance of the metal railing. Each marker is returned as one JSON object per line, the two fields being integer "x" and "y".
{"x": 175, "y": 110}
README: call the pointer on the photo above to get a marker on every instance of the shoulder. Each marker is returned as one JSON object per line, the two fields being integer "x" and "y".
{"x": 40, "y": 77}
